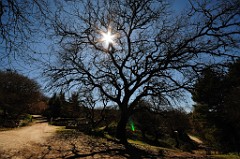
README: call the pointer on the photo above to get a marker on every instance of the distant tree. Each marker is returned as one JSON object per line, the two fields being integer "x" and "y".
{"x": 95, "y": 115}
{"x": 177, "y": 124}
{"x": 147, "y": 122}
{"x": 59, "y": 106}
{"x": 111, "y": 115}
{"x": 72, "y": 107}
{"x": 38, "y": 107}
{"x": 17, "y": 93}
{"x": 217, "y": 109}
{"x": 74, "y": 100}
{"x": 160, "y": 123}
{"x": 134, "y": 50}
{"x": 56, "y": 105}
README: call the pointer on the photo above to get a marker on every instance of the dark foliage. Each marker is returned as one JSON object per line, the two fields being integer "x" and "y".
{"x": 217, "y": 110}
{"x": 156, "y": 126}
{"x": 17, "y": 94}
{"x": 58, "y": 106}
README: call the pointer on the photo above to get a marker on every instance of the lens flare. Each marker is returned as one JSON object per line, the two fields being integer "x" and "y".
{"x": 132, "y": 125}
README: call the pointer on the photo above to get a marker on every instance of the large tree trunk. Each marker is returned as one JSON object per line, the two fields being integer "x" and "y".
{"x": 121, "y": 127}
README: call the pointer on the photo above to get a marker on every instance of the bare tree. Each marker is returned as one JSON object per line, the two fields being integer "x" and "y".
{"x": 20, "y": 22}
{"x": 129, "y": 49}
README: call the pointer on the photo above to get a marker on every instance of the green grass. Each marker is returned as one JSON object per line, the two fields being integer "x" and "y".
{"x": 26, "y": 120}
{"x": 63, "y": 129}
{"x": 227, "y": 156}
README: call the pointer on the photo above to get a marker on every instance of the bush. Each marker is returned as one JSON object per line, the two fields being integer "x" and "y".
{"x": 186, "y": 147}
{"x": 23, "y": 123}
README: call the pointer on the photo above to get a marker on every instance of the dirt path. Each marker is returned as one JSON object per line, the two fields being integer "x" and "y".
{"x": 23, "y": 137}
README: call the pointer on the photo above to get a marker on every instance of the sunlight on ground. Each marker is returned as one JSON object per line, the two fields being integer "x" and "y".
{"x": 194, "y": 138}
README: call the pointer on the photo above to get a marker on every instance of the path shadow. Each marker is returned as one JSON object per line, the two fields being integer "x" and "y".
{"x": 79, "y": 145}
{"x": 128, "y": 151}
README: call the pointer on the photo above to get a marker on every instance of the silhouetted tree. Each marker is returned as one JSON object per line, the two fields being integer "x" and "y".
{"x": 55, "y": 104}
{"x": 73, "y": 107}
{"x": 17, "y": 93}
{"x": 153, "y": 52}
{"x": 74, "y": 100}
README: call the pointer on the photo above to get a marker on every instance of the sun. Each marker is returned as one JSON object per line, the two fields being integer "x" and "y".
{"x": 108, "y": 37}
